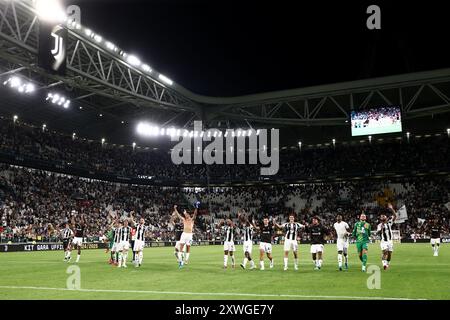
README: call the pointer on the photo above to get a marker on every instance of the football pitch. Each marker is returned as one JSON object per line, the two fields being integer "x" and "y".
{"x": 414, "y": 274}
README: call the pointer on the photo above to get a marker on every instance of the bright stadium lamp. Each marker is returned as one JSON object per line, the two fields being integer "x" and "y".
{"x": 164, "y": 79}
{"x": 15, "y": 118}
{"x": 146, "y": 68}
{"x": 50, "y": 10}
{"x": 133, "y": 60}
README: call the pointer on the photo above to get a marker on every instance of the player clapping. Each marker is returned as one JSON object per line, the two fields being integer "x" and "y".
{"x": 291, "y": 230}
{"x": 384, "y": 229}
{"x": 247, "y": 237}
{"x": 266, "y": 231}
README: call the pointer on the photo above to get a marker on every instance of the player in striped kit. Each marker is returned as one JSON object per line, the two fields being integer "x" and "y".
{"x": 124, "y": 244}
{"x": 384, "y": 229}
{"x": 291, "y": 230}
{"x": 228, "y": 243}
{"x": 66, "y": 235}
{"x": 139, "y": 242}
{"x": 247, "y": 237}
{"x": 342, "y": 232}
{"x": 116, "y": 240}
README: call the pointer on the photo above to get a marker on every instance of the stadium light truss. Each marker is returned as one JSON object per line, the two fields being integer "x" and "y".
{"x": 20, "y": 85}
{"x": 58, "y": 99}
{"x": 147, "y": 129}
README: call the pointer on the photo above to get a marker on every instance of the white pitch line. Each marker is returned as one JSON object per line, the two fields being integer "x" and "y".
{"x": 207, "y": 293}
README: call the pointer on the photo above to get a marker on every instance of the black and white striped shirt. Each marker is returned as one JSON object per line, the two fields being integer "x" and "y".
{"x": 229, "y": 233}
{"x": 66, "y": 233}
{"x": 140, "y": 232}
{"x": 291, "y": 230}
{"x": 116, "y": 235}
{"x": 386, "y": 230}
{"x": 124, "y": 233}
{"x": 247, "y": 233}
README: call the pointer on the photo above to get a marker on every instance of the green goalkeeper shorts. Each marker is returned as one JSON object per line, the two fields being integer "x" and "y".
{"x": 362, "y": 245}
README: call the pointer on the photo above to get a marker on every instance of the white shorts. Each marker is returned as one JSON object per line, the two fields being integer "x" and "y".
{"x": 139, "y": 245}
{"x": 123, "y": 245}
{"x": 290, "y": 244}
{"x": 316, "y": 248}
{"x": 229, "y": 246}
{"x": 342, "y": 245}
{"x": 77, "y": 241}
{"x": 178, "y": 246}
{"x": 114, "y": 247}
{"x": 435, "y": 241}
{"x": 186, "y": 238}
{"x": 248, "y": 246}
{"x": 387, "y": 245}
{"x": 266, "y": 247}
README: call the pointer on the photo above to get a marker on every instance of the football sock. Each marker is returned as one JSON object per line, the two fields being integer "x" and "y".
{"x": 78, "y": 257}
{"x": 186, "y": 255}
{"x": 285, "y": 262}
{"x": 225, "y": 260}
{"x": 296, "y": 262}
{"x": 141, "y": 257}
{"x": 261, "y": 264}
{"x": 364, "y": 259}
{"x": 340, "y": 260}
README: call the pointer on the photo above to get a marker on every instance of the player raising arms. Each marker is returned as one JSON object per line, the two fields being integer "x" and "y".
{"x": 66, "y": 235}
{"x": 291, "y": 230}
{"x": 435, "y": 236}
{"x": 186, "y": 236}
{"x": 79, "y": 224}
{"x": 342, "y": 232}
{"x": 178, "y": 230}
{"x": 361, "y": 232}
{"x": 317, "y": 234}
{"x": 228, "y": 243}
{"x": 247, "y": 237}
{"x": 384, "y": 229}
{"x": 266, "y": 231}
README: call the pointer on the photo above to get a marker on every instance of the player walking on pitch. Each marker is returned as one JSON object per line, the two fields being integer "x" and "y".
{"x": 291, "y": 230}
{"x": 361, "y": 232}
{"x": 228, "y": 243}
{"x": 247, "y": 237}
{"x": 384, "y": 229}
{"x": 342, "y": 232}
{"x": 66, "y": 235}
{"x": 79, "y": 226}
{"x": 317, "y": 234}
{"x": 178, "y": 230}
{"x": 186, "y": 236}
{"x": 435, "y": 236}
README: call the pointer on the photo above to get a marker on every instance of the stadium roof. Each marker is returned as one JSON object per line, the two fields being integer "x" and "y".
{"x": 110, "y": 92}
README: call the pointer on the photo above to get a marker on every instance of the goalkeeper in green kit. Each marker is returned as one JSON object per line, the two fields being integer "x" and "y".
{"x": 361, "y": 232}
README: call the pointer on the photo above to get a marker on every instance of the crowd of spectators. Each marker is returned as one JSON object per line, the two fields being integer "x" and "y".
{"x": 34, "y": 204}
{"x": 426, "y": 153}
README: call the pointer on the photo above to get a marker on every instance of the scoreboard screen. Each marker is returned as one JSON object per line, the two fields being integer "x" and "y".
{"x": 376, "y": 121}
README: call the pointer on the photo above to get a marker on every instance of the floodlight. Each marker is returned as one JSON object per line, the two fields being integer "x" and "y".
{"x": 50, "y": 10}
{"x": 164, "y": 79}
{"x": 146, "y": 68}
{"x": 133, "y": 60}
{"x": 98, "y": 38}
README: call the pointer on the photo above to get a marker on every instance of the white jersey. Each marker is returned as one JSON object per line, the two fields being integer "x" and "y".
{"x": 341, "y": 230}
{"x": 385, "y": 229}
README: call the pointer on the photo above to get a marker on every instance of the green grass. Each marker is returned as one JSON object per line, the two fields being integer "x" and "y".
{"x": 414, "y": 274}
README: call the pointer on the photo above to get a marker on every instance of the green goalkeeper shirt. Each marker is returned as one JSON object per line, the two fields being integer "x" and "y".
{"x": 361, "y": 231}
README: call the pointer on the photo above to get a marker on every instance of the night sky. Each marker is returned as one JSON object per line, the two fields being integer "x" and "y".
{"x": 228, "y": 48}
